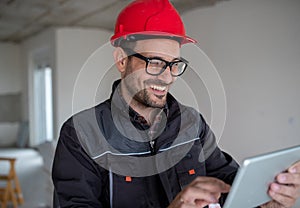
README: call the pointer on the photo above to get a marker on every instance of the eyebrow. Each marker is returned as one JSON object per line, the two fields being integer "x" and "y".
{"x": 153, "y": 56}
{"x": 158, "y": 57}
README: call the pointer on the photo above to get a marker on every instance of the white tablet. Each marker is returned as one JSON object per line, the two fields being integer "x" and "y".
{"x": 251, "y": 183}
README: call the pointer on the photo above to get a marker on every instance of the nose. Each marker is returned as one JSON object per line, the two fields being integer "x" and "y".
{"x": 166, "y": 76}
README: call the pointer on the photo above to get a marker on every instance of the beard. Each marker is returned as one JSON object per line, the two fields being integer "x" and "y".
{"x": 140, "y": 92}
{"x": 144, "y": 98}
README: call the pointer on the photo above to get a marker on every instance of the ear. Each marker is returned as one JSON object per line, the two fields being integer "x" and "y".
{"x": 121, "y": 59}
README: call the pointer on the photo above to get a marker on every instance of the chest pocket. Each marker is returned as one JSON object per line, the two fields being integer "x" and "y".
{"x": 190, "y": 166}
{"x": 128, "y": 192}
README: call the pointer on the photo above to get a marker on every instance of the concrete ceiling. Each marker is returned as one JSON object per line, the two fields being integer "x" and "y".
{"x": 20, "y": 19}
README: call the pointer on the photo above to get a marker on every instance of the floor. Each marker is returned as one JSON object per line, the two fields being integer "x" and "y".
{"x": 34, "y": 178}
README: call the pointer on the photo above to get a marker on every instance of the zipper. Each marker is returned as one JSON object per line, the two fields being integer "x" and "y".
{"x": 152, "y": 143}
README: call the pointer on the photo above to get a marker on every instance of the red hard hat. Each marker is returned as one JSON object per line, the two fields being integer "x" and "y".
{"x": 151, "y": 18}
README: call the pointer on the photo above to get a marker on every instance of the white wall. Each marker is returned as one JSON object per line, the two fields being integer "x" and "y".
{"x": 37, "y": 50}
{"x": 65, "y": 50}
{"x": 10, "y": 68}
{"x": 10, "y": 83}
{"x": 73, "y": 48}
{"x": 255, "y": 46}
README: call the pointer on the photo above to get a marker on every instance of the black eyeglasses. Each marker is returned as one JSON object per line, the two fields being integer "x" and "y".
{"x": 156, "y": 65}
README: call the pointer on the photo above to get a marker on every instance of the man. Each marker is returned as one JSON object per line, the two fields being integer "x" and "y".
{"x": 141, "y": 147}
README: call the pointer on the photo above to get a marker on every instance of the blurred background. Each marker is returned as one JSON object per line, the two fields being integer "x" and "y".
{"x": 254, "y": 46}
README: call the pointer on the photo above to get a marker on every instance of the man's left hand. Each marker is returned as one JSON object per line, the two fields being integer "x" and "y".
{"x": 286, "y": 190}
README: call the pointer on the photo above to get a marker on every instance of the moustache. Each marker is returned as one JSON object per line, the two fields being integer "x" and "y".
{"x": 156, "y": 82}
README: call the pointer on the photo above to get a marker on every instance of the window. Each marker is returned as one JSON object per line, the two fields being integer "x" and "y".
{"x": 43, "y": 108}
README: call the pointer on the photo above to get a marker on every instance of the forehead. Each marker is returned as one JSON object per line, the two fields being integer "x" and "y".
{"x": 165, "y": 47}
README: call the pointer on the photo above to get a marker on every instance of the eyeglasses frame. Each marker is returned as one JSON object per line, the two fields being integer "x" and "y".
{"x": 131, "y": 52}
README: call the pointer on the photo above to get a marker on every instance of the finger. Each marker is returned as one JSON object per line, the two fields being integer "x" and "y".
{"x": 212, "y": 188}
{"x": 211, "y": 184}
{"x": 192, "y": 194}
{"x": 180, "y": 203}
{"x": 286, "y": 190}
{"x": 192, "y": 205}
{"x": 289, "y": 178}
{"x": 201, "y": 203}
{"x": 273, "y": 204}
{"x": 281, "y": 199}
{"x": 295, "y": 168}
{"x": 187, "y": 205}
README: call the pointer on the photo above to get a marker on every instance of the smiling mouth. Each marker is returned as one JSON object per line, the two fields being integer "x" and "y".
{"x": 158, "y": 90}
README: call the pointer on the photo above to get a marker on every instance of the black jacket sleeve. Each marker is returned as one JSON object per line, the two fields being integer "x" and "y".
{"x": 76, "y": 177}
{"x": 218, "y": 164}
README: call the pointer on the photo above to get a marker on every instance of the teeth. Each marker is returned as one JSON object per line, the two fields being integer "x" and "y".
{"x": 160, "y": 88}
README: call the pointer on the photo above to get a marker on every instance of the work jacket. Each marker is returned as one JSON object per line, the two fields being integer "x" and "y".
{"x": 104, "y": 157}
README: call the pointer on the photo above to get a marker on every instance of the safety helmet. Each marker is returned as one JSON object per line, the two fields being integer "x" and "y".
{"x": 149, "y": 18}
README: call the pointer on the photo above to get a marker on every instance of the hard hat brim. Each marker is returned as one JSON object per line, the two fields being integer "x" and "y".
{"x": 116, "y": 39}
